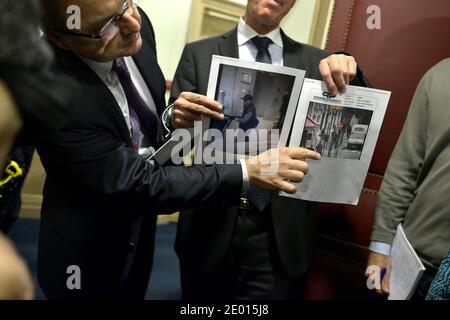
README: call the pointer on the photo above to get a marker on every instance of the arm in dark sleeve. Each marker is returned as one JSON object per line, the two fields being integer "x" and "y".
{"x": 96, "y": 160}
{"x": 185, "y": 78}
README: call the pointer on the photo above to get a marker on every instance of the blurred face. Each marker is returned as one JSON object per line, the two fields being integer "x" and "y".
{"x": 265, "y": 15}
{"x": 122, "y": 38}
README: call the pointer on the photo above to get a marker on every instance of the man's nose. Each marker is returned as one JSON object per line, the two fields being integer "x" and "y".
{"x": 129, "y": 24}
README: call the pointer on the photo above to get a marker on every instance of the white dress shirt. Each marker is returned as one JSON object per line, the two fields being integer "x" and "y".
{"x": 248, "y": 52}
{"x": 111, "y": 80}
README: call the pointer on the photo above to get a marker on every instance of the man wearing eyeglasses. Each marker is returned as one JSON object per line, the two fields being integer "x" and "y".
{"x": 101, "y": 196}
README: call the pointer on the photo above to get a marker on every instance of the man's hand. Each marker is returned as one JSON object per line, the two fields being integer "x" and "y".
{"x": 337, "y": 70}
{"x": 190, "y": 107}
{"x": 274, "y": 168}
{"x": 15, "y": 279}
{"x": 375, "y": 264}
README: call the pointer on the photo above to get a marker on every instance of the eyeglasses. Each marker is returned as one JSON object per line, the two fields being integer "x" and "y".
{"x": 110, "y": 26}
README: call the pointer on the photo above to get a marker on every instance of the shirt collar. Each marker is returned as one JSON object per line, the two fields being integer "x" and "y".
{"x": 102, "y": 69}
{"x": 245, "y": 33}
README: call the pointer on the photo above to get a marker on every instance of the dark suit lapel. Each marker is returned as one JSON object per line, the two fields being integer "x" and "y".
{"x": 73, "y": 64}
{"x": 291, "y": 51}
{"x": 148, "y": 66}
{"x": 228, "y": 47}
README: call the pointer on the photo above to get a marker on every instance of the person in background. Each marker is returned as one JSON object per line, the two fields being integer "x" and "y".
{"x": 416, "y": 184}
{"x": 248, "y": 119}
{"x": 28, "y": 109}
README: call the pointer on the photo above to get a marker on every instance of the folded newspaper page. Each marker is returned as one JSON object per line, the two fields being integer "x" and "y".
{"x": 344, "y": 129}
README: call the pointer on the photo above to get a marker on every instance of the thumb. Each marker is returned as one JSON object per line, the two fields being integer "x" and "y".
{"x": 385, "y": 284}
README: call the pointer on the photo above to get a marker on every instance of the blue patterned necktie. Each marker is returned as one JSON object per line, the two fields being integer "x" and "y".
{"x": 260, "y": 197}
{"x": 143, "y": 120}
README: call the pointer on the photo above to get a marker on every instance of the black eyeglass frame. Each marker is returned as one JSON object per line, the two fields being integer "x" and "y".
{"x": 99, "y": 35}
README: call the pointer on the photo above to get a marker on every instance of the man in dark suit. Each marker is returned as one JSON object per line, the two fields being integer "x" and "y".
{"x": 251, "y": 251}
{"x": 101, "y": 196}
{"x": 248, "y": 119}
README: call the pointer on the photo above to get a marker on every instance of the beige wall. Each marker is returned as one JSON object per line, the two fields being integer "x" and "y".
{"x": 298, "y": 22}
{"x": 32, "y": 190}
{"x": 170, "y": 19}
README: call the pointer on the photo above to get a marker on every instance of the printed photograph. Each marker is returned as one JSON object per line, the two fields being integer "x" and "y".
{"x": 252, "y": 99}
{"x": 335, "y": 131}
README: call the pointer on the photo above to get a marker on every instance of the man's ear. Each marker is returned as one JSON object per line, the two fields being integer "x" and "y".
{"x": 58, "y": 39}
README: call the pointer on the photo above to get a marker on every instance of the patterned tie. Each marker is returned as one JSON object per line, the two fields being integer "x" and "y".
{"x": 260, "y": 197}
{"x": 143, "y": 120}
{"x": 262, "y": 44}
{"x": 440, "y": 287}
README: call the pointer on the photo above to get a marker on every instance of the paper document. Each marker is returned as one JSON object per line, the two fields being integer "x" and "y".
{"x": 259, "y": 100}
{"x": 344, "y": 129}
{"x": 407, "y": 269}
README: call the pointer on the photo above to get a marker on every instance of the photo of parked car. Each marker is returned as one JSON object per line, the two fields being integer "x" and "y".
{"x": 357, "y": 137}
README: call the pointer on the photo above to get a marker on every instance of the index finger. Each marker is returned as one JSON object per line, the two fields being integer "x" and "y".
{"x": 202, "y": 100}
{"x": 302, "y": 153}
{"x": 352, "y": 67}
{"x": 325, "y": 72}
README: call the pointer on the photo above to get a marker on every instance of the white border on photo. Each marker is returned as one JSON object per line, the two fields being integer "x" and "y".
{"x": 214, "y": 81}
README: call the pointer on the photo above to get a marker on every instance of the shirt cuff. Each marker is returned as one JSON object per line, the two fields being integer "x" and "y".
{"x": 245, "y": 178}
{"x": 380, "y": 247}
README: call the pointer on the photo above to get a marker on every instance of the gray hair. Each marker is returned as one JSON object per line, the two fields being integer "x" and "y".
{"x": 21, "y": 44}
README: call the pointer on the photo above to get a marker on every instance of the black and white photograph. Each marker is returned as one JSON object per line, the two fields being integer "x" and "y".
{"x": 256, "y": 98}
{"x": 336, "y": 131}
{"x": 344, "y": 129}
{"x": 252, "y": 99}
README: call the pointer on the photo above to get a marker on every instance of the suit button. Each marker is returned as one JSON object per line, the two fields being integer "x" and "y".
{"x": 131, "y": 247}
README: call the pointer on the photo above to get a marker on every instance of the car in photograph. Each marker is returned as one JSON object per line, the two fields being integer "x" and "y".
{"x": 356, "y": 141}
{"x": 357, "y": 136}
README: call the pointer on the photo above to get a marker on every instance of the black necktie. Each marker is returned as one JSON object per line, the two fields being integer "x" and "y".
{"x": 143, "y": 120}
{"x": 260, "y": 197}
{"x": 262, "y": 44}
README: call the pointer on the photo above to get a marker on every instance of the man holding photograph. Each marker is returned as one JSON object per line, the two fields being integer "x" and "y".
{"x": 259, "y": 249}
{"x": 101, "y": 197}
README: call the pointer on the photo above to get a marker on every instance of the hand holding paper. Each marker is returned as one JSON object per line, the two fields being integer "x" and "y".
{"x": 190, "y": 107}
{"x": 380, "y": 262}
{"x": 337, "y": 70}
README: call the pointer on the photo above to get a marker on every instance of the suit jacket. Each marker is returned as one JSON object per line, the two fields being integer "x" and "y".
{"x": 101, "y": 198}
{"x": 202, "y": 238}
